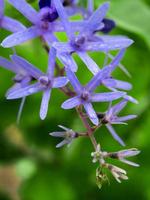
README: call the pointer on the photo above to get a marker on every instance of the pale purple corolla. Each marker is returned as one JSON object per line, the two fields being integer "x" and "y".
{"x": 42, "y": 25}
{"x": 8, "y": 23}
{"x": 110, "y": 118}
{"x": 44, "y": 82}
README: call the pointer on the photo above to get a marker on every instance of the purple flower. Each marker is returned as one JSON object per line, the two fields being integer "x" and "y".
{"x": 85, "y": 40}
{"x": 68, "y": 134}
{"x": 123, "y": 154}
{"x": 8, "y": 23}
{"x": 45, "y": 82}
{"x": 110, "y": 117}
{"x": 85, "y": 95}
{"x": 43, "y": 25}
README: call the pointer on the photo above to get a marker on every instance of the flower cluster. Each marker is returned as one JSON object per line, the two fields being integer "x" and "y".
{"x": 89, "y": 34}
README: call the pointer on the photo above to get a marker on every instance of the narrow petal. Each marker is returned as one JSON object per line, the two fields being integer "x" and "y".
{"x": 65, "y": 141}
{"x": 118, "y": 107}
{"x": 20, "y": 109}
{"x": 73, "y": 80}
{"x": 51, "y": 62}
{"x": 131, "y": 99}
{"x": 44, "y": 104}
{"x": 1, "y": 8}
{"x": 114, "y": 134}
{"x": 20, "y": 37}
{"x": 64, "y": 18}
{"x": 91, "y": 113}
{"x": 63, "y": 47}
{"x": 117, "y": 84}
{"x": 28, "y": 67}
{"x": 12, "y": 24}
{"x": 126, "y": 118}
{"x": 63, "y": 127}
{"x": 130, "y": 163}
{"x": 26, "y": 91}
{"x": 60, "y": 82}
{"x": 25, "y": 8}
{"x": 107, "y": 96}
{"x": 96, "y": 18}
{"x": 58, "y": 134}
{"x": 121, "y": 66}
{"x": 7, "y": 64}
{"x": 90, "y": 6}
{"x": 98, "y": 78}
{"x": 68, "y": 61}
{"x": 71, "y": 103}
{"x": 89, "y": 62}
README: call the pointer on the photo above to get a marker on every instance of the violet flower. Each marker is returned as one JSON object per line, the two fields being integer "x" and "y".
{"x": 43, "y": 25}
{"x": 8, "y": 23}
{"x": 45, "y": 82}
{"x": 68, "y": 134}
{"x": 85, "y": 41}
{"x": 85, "y": 95}
{"x": 110, "y": 118}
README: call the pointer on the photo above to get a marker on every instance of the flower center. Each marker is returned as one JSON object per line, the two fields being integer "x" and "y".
{"x": 44, "y": 81}
{"x": 78, "y": 42}
{"x": 85, "y": 95}
{"x": 48, "y": 14}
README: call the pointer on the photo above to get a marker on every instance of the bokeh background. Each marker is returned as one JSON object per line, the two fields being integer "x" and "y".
{"x": 31, "y": 168}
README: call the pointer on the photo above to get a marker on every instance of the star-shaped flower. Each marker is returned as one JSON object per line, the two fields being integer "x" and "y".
{"x": 84, "y": 41}
{"x": 44, "y": 24}
{"x": 110, "y": 117}
{"x": 85, "y": 95}
{"x": 68, "y": 134}
{"x": 8, "y": 23}
{"x": 45, "y": 82}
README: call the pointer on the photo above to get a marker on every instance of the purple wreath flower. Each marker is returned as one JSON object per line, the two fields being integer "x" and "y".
{"x": 44, "y": 24}
{"x": 8, "y": 23}
{"x": 110, "y": 118}
{"x": 85, "y": 95}
{"x": 85, "y": 41}
{"x": 68, "y": 134}
{"x": 45, "y": 82}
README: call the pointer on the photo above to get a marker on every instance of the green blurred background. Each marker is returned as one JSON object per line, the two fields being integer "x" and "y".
{"x": 31, "y": 168}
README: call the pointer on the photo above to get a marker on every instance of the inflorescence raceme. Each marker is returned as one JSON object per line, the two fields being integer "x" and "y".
{"x": 89, "y": 34}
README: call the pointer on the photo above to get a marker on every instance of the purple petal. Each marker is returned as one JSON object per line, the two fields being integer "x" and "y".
{"x": 68, "y": 61}
{"x": 126, "y": 118}
{"x": 91, "y": 113}
{"x": 45, "y": 103}
{"x": 49, "y": 38}
{"x": 73, "y": 80}
{"x": 28, "y": 67}
{"x": 58, "y": 134}
{"x": 7, "y": 64}
{"x": 107, "y": 96}
{"x": 129, "y": 162}
{"x": 90, "y": 63}
{"x": 1, "y": 8}
{"x": 113, "y": 83}
{"x": 90, "y": 6}
{"x": 20, "y": 37}
{"x": 12, "y": 24}
{"x": 71, "y": 103}
{"x": 51, "y": 62}
{"x": 96, "y": 18}
{"x": 114, "y": 134}
{"x": 64, "y": 18}
{"x": 59, "y": 82}
{"x": 63, "y": 47}
{"x": 131, "y": 99}
{"x": 121, "y": 66}
{"x": 118, "y": 42}
{"x": 25, "y": 8}
{"x": 26, "y": 91}
{"x": 65, "y": 141}
{"x": 98, "y": 78}
{"x": 118, "y": 107}
{"x": 128, "y": 153}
